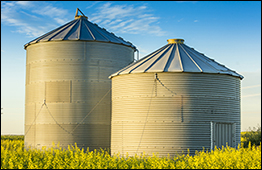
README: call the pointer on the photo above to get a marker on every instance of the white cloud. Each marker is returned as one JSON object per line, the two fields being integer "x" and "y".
{"x": 252, "y": 95}
{"x": 24, "y": 3}
{"x": 34, "y": 18}
{"x": 196, "y": 20}
{"x": 20, "y": 14}
{"x": 94, "y": 3}
{"x": 51, "y": 11}
{"x": 60, "y": 21}
{"x": 247, "y": 87}
{"x": 127, "y": 19}
{"x": 180, "y": 20}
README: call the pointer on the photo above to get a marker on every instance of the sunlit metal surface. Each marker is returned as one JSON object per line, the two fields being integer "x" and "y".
{"x": 176, "y": 57}
{"x": 68, "y": 97}
{"x": 174, "y": 100}
{"x": 80, "y": 29}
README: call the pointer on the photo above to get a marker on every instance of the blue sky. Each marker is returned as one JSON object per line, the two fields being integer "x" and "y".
{"x": 227, "y": 31}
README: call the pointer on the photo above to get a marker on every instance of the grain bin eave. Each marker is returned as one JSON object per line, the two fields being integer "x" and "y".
{"x": 176, "y": 57}
{"x": 134, "y": 48}
{"x": 116, "y": 75}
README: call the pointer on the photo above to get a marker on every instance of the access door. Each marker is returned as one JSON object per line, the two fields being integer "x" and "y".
{"x": 222, "y": 134}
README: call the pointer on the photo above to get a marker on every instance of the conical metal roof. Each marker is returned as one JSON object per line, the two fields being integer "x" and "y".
{"x": 80, "y": 29}
{"x": 176, "y": 57}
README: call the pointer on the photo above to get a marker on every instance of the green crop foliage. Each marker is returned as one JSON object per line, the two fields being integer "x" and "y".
{"x": 12, "y": 137}
{"x": 252, "y": 135}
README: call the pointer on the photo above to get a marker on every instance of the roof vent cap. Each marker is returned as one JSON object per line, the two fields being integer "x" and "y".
{"x": 79, "y": 16}
{"x": 175, "y": 41}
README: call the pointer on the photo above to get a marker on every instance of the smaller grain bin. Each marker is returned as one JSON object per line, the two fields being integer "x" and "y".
{"x": 172, "y": 100}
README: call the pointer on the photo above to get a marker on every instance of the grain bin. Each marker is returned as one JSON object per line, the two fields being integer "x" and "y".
{"x": 68, "y": 97}
{"x": 172, "y": 100}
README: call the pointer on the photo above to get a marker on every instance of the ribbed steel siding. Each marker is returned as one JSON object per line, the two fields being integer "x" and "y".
{"x": 174, "y": 122}
{"x": 73, "y": 77}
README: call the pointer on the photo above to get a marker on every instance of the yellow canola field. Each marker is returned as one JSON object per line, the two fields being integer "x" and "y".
{"x": 13, "y": 156}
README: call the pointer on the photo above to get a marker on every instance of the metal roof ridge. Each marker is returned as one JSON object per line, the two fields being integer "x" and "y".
{"x": 86, "y": 31}
{"x": 191, "y": 58}
{"x": 170, "y": 58}
{"x": 179, "y": 57}
{"x": 158, "y": 58}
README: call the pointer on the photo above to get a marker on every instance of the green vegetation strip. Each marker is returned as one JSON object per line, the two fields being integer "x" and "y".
{"x": 13, "y": 156}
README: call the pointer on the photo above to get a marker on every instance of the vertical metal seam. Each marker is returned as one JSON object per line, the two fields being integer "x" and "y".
{"x": 122, "y": 138}
{"x": 29, "y": 72}
{"x": 155, "y": 85}
{"x": 70, "y": 91}
{"x": 45, "y": 91}
{"x": 182, "y": 108}
{"x": 146, "y": 116}
{"x": 84, "y": 51}
{"x": 212, "y": 135}
{"x": 35, "y": 127}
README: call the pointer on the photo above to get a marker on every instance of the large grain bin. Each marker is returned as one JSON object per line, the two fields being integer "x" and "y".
{"x": 172, "y": 100}
{"x": 68, "y": 97}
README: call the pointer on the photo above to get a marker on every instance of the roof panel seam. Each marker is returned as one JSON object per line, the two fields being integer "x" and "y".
{"x": 206, "y": 61}
{"x": 191, "y": 58}
{"x": 66, "y": 36}
{"x": 171, "y": 57}
{"x": 114, "y": 37}
{"x": 79, "y": 29}
{"x": 90, "y": 31}
{"x": 139, "y": 61}
{"x": 97, "y": 30}
{"x": 39, "y": 38}
{"x": 148, "y": 58}
{"x": 62, "y": 29}
{"x": 72, "y": 25}
{"x": 180, "y": 60}
{"x": 156, "y": 60}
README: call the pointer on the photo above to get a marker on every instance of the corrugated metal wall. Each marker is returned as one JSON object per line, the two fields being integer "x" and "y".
{"x": 173, "y": 115}
{"x": 72, "y": 78}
